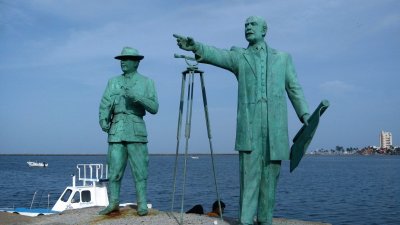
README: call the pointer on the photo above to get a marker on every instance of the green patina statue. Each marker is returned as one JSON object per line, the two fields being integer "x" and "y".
{"x": 124, "y": 103}
{"x": 264, "y": 75}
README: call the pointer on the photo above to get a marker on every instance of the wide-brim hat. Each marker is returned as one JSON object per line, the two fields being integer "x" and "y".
{"x": 129, "y": 53}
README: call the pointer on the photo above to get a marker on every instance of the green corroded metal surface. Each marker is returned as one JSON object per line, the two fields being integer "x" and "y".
{"x": 265, "y": 78}
{"x": 125, "y": 101}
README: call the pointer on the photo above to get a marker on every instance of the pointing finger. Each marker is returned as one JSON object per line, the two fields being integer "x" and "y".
{"x": 179, "y": 36}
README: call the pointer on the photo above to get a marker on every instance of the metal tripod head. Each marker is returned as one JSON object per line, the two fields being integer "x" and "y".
{"x": 191, "y": 66}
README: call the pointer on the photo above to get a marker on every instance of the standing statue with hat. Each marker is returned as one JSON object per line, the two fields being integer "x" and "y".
{"x": 124, "y": 103}
{"x": 265, "y": 78}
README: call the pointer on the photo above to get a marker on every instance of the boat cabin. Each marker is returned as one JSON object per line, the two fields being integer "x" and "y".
{"x": 92, "y": 190}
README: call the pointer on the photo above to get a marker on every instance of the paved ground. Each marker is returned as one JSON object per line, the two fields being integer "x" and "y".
{"x": 126, "y": 216}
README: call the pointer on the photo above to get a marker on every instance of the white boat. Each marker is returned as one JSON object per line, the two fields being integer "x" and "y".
{"x": 194, "y": 157}
{"x": 92, "y": 191}
{"x": 37, "y": 164}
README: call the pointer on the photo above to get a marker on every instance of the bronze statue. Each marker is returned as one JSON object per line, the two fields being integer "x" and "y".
{"x": 264, "y": 77}
{"x": 124, "y": 103}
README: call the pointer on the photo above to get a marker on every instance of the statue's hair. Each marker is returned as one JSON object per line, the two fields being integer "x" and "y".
{"x": 261, "y": 20}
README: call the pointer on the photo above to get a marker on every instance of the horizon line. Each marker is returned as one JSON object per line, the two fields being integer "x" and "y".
{"x": 100, "y": 154}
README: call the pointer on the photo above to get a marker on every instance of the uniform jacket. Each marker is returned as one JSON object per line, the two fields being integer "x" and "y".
{"x": 280, "y": 79}
{"x": 123, "y": 105}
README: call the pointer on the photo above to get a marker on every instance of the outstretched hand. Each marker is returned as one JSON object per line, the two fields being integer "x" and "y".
{"x": 185, "y": 43}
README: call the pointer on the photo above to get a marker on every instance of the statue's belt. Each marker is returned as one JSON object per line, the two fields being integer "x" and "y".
{"x": 130, "y": 116}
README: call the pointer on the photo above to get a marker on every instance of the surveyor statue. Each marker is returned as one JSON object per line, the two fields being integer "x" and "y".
{"x": 264, "y": 75}
{"x": 124, "y": 103}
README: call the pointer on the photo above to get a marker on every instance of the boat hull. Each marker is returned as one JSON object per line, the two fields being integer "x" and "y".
{"x": 37, "y": 164}
{"x": 32, "y": 212}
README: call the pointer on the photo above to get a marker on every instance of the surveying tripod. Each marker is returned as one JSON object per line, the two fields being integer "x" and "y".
{"x": 190, "y": 72}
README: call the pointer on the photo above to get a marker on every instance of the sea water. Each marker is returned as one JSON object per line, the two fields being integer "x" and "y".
{"x": 332, "y": 189}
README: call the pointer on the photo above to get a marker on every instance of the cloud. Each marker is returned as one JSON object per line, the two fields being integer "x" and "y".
{"x": 70, "y": 45}
{"x": 390, "y": 20}
{"x": 337, "y": 86}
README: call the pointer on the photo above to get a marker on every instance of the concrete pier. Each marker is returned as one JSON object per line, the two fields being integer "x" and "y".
{"x": 127, "y": 216}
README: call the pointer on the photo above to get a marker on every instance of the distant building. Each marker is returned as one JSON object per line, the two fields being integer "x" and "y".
{"x": 386, "y": 139}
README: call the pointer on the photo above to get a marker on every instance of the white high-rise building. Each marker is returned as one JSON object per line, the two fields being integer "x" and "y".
{"x": 386, "y": 139}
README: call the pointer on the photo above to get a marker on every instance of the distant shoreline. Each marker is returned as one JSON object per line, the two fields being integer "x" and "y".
{"x": 191, "y": 154}
{"x": 152, "y": 154}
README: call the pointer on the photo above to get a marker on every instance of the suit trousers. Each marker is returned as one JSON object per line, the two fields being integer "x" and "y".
{"x": 137, "y": 155}
{"x": 258, "y": 174}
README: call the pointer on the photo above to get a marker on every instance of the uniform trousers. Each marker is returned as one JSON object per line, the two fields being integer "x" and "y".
{"x": 137, "y": 155}
{"x": 258, "y": 174}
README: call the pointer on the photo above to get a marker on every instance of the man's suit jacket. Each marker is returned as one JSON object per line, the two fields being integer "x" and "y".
{"x": 281, "y": 77}
{"x": 122, "y": 113}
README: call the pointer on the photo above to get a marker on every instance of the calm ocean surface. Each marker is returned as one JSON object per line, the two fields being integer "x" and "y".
{"x": 337, "y": 190}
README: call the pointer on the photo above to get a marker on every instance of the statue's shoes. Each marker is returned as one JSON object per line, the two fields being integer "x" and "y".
{"x": 142, "y": 212}
{"x": 109, "y": 209}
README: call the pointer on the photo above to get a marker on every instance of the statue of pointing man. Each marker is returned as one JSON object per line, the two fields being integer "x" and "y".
{"x": 265, "y": 76}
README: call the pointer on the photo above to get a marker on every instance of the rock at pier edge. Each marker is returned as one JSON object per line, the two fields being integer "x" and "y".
{"x": 127, "y": 216}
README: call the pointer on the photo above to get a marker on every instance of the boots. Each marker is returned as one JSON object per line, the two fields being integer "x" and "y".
{"x": 141, "y": 198}
{"x": 112, "y": 207}
{"x": 113, "y": 193}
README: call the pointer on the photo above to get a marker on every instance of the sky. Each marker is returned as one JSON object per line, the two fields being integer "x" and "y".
{"x": 57, "y": 56}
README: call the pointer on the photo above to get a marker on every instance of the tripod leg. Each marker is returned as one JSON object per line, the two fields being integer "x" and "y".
{"x": 187, "y": 135}
{"x": 178, "y": 135}
{"x": 203, "y": 90}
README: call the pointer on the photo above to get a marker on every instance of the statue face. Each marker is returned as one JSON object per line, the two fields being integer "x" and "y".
{"x": 254, "y": 30}
{"x": 129, "y": 65}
